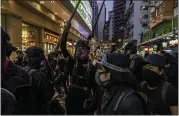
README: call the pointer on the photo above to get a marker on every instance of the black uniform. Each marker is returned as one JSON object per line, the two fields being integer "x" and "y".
{"x": 136, "y": 66}
{"x": 116, "y": 96}
{"x": 78, "y": 69}
{"x": 43, "y": 86}
{"x": 171, "y": 69}
{"x": 14, "y": 79}
{"x": 136, "y": 62}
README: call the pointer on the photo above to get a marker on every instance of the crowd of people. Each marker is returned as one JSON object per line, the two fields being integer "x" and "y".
{"x": 121, "y": 83}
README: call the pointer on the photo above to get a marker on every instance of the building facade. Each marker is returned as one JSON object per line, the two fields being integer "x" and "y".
{"x": 119, "y": 12}
{"x": 133, "y": 27}
{"x": 163, "y": 26}
{"x": 111, "y": 25}
{"x": 94, "y": 7}
{"x": 31, "y": 23}
{"x": 106, "y": 30}
{"x": 145, "y": 15}
{"x": 101, "y": 21}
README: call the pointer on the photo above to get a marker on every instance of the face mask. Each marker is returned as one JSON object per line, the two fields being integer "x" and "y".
{"x": 151, "y": 77}
{"x": 82, "y": 53}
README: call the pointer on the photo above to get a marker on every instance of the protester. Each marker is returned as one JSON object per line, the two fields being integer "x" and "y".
{"x": 61, "y": 73}
{"x": 162, "y": 93}
{"x": 43, "y": 86}
{"x": 171, "y": 68}
{"x": 15, "y": 80}
{"x": 77, "y": 94}
{"x": 136, "y": 62}
{"x": 116, "y": 82}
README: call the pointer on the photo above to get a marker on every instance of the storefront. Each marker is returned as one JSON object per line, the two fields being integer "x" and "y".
{"x": 29, "y": 36}
{"x": 168, "y": 43}
{"x": 51, "y": 40}
{"x": 173, "y": 46}
{"x": 70, "y": 47}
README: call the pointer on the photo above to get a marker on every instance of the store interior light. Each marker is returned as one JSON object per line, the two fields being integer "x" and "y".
{"x": 164, "y": 44}
{"x": 42, "y": 2}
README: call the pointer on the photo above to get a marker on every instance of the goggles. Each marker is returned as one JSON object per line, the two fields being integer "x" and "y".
{"x": 103, "y": 61}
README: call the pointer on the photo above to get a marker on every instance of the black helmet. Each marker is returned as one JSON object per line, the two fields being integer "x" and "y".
{"x": 132, "y": 46}
{"x": 117, "y": 64}
{"x": 156, "y": 60}
{"x": 34, "y": 51}
{"x": 80, "y": 46}
{"x": 82, "y": 43}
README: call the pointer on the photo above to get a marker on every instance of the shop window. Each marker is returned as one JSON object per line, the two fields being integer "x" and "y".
{"x": 51, "y": 41}
{"x": 28, "y": 36}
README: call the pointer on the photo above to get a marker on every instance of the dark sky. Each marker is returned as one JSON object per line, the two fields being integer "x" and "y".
{"x": 109, "y": 7}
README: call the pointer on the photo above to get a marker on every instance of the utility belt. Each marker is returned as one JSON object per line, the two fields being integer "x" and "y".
{"x": 79, "y": 87}
{"x": 79, "y": 80}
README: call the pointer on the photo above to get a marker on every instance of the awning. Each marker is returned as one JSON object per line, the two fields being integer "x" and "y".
{"x": 155, "y": 39}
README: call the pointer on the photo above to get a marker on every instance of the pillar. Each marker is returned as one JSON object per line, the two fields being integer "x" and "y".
{"x": 42, "y": 40}
{"x": 13, "y": 25}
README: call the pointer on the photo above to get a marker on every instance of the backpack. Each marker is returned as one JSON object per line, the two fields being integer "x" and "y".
{"x": 163, "y": 91}
{"x": 30, "y": 72}
{"x": 54, "y": 107}
{"x": 24, "y": 94}
{"x": 148, "y": 105}
{"x": 8, "y": 102}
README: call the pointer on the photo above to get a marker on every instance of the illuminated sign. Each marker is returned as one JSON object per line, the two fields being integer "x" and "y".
{"x": 85, "y": 11}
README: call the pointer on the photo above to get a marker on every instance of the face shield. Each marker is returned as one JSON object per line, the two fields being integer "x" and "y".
{"x": 106, "y": 69}
{"x": 103, "y": 61}
{"x": 81, "y": 52}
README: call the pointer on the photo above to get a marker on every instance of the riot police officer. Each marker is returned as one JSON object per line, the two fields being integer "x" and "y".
{"x": 136, "y": 62}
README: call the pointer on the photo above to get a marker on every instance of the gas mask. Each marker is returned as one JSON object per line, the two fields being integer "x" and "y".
{"x": 102, "y": 74}
{"x": 81, "y": 53}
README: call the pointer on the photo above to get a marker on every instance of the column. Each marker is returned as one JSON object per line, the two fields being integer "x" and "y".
{"x": 37, "y": 36}
{"x": 42, "y": 40}
{"x": 14, "y": 28}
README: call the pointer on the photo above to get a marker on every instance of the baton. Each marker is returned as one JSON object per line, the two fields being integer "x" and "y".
{"x": 67, "y": 28}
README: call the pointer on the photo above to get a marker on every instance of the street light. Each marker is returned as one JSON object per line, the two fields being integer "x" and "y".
{"x": 119, "y": 40}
